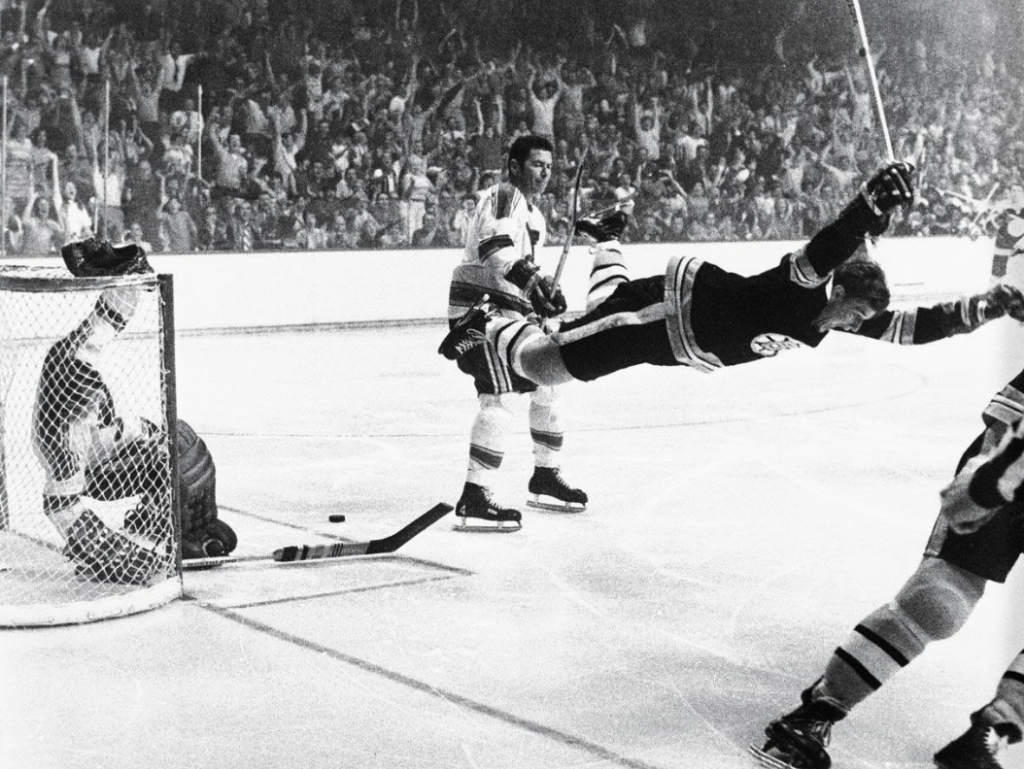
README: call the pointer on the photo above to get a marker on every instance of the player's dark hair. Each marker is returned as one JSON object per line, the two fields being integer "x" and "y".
{"x": 524, "y": 145}
{"x": 863, "y": 278}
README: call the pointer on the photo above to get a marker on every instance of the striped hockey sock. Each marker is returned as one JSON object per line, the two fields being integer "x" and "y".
{"x": 879, "y": 647}
{"x": 607, "y": 272}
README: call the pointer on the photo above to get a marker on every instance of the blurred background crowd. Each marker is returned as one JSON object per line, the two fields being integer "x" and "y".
{"x": 340, "y": 124}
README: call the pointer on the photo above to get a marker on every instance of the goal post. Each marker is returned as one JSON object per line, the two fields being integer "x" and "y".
{"x": 87, "y": 415}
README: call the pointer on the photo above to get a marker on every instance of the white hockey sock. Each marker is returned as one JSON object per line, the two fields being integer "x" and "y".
{"x": 608, "y": 271}
{"x": 545, "y": 427}
{"x": 487, "y": 439}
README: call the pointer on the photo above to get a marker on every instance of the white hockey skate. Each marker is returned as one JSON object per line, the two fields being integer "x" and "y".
{"x": 549, "y": 491}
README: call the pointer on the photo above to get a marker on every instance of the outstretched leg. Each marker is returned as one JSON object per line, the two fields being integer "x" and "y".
{"x": 933, "y": 605}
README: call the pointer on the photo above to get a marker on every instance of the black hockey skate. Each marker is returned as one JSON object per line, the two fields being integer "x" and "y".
{"x": 607, "y": 224}
{"x": 551, "y": 492}
{"x": 799, "y": 739}
{"x": 978, "y": 747}
{"x": 468, "y": 331}
{"x": 478, "y": 512}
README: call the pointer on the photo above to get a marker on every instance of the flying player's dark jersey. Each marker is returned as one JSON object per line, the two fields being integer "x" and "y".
{"x": 699, "y": 315}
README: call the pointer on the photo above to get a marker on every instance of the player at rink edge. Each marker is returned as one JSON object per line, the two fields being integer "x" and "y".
{"x": 977, "y": 539}
{"x": 696, "y": 314}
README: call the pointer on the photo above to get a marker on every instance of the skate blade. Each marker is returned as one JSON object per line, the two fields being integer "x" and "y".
{"x": 540, "y": 502}
{"x": 767, "y": 759}
{"x": 494, "y": 527}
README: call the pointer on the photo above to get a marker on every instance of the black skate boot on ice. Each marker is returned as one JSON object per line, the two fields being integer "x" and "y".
{"x": 607, "y": 224}
{"x": 551, "y": 492}
{"x": 978, "y": 747}
{"x": 478, "y": 512}
{"x": 799, "y": 739}
{"x": 468, "y": 331}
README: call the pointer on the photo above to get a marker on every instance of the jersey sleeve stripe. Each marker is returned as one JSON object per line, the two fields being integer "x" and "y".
{"x": 802, "y": 272}
{"x": 490, "y": 246}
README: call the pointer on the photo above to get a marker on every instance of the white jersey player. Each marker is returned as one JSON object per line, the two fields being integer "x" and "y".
{"x": 499, "y": 261}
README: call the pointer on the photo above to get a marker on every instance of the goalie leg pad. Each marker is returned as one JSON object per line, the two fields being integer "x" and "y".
{"x": 202, "y": 532}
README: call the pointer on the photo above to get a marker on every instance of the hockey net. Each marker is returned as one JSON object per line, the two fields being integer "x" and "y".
{"x": 59, "y": 436}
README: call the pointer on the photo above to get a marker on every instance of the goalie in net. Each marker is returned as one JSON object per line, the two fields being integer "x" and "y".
{"x": 89, "y": 450}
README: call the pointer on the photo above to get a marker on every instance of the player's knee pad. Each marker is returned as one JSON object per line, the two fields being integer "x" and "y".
{"x": 939, "y": 598}
{"x": 545, "y": 422}
{"x": 544, "y": 396}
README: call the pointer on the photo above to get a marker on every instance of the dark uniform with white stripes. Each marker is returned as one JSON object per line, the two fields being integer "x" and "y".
{"x": 699, "y": 315}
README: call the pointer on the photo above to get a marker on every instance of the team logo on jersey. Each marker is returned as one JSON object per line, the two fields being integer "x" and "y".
{"x": 768, "y": 345}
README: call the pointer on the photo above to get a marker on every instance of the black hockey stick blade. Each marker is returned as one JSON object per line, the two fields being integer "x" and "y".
{"x": 387, "y": 544}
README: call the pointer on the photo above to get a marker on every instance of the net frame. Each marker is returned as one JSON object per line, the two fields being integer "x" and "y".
{"x": 117, "y": 600}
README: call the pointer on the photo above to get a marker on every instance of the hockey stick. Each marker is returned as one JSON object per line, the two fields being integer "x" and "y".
{"x": 388, "y": 544}
{"x": 854, "y": 7}
{"x": 293, "y": 553}
{"x": 574, "y": 211}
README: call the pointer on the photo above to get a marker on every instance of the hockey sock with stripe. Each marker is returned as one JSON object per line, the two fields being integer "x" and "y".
{"x": 608, "y": 271}
{"x": 1006, "y": 711}
{"x": 885, "y": 642}
{"x": 487, "y": 439}
{"x": 545, "y": 427}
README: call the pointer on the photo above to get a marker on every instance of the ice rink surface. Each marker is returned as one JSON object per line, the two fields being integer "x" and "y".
{"x": 740, "y": 524}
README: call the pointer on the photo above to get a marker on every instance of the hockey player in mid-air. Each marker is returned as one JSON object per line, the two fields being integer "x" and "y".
{"x": 699, "y": 315}
{"x": 505, "y": 232}
{"x": 978, "y": 537}
{"x": 89, "y": 450}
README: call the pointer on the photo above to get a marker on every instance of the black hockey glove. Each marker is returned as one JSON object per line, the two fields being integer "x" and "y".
{"x": 890, "y": 187}
{"x": 1002, "y": 299}
{"x": 547, "y": 300}
{"x": 93, "y": 258}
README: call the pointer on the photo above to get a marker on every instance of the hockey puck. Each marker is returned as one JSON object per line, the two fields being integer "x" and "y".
{"x": 337, "y": 519}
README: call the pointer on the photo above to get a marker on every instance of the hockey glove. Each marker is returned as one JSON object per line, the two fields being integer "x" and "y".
{"x": 1000, "y": 300}
{"x": 889, "y": 188}
{"x": 93, "y": 258}
{"x": 547, "y": 300}
{"x": 101, "y": 553}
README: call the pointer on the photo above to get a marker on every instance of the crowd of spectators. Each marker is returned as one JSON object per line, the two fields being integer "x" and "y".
{"x": 250, "y": 125}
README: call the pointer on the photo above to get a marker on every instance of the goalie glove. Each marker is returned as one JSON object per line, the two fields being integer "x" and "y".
{"x": 547, "y": 300}
{"x": 103, "y": 554}
{"x": 92, "y": 258}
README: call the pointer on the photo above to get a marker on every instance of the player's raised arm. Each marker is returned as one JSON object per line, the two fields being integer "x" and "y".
{"x": 868, "y": 214}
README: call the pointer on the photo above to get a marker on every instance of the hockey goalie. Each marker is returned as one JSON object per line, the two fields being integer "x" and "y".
{"x": 91, "y": 452}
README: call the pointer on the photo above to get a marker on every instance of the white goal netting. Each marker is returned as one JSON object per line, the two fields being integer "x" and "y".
{"x": 88, "y": 524}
